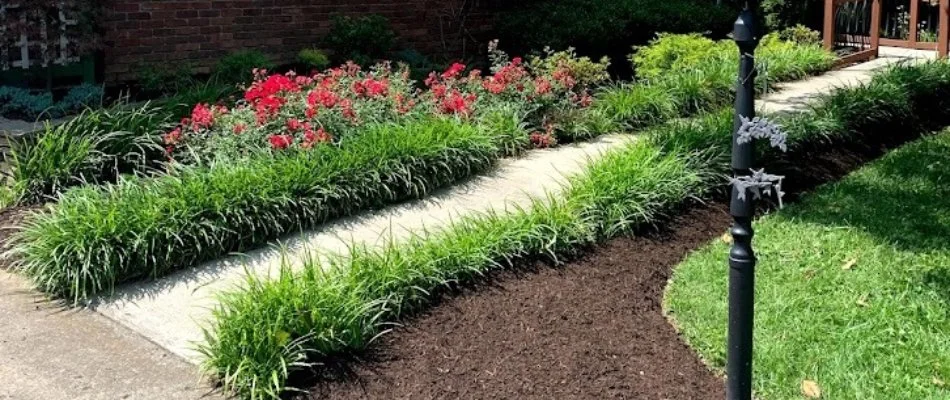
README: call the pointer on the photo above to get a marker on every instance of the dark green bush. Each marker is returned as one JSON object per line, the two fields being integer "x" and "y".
{"x": 314, "y": 59}
{"x": 160, "y": 80}
{"x": 362, "y": 40}
{"x": 597, "y": 27}
{"x": 238, "y": 66}
{"x": 781, "y": 14}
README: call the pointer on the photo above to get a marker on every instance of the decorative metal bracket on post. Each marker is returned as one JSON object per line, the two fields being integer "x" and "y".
{"x": 742, "y": 208}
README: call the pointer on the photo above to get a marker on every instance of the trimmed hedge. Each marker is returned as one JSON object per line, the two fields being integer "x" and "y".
{"x": 95, "y": 238}
{"x": 272, "y": 328}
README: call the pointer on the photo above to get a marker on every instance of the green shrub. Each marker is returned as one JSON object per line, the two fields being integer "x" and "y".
{"x": 778, "y": 59}
{"x": 96, "y": 237}
{"x": 800, "y": 34}
{"x": 314, "y": 59}
{"x": 670, "y": 52}
{"x": 238, "y": 66}
{"x": 362, "y": 40}
{"x": 586, "y": 71}
{"x": 164, "y": 79}
{"x": 93, "y": 147}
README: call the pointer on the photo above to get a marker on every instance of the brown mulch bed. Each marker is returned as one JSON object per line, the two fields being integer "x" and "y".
{"x": 592, "y": 329}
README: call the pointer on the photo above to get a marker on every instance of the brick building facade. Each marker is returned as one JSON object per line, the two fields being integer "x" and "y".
{"x": 199, "y": 32}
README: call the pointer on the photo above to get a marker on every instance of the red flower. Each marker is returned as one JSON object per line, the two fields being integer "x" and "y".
{"x": 173, "y": 137}
{"x": 516, "y": 61}
{"x": 294, "y": 125}
{"x": 323, "y": 97}
{"x": 438, "y": 90}
{"x": 310, "y": 137}
{"x": 542, "y": 86}
{"x": 376, "y": 88}
{"x": 565, "y": 77}
{"x": 201, "y": 117}
{"x": 358, "y": 88}
{"x": 494, "y": 86}
{"x": 280, "y": 142}
{"x": 274, "y": 85}
{"x": 456, "y": 103}
{"x": 239, "y": 129}
{"x": 267, "y": 108}
{"x": 310, "y": 112}
{"x": 348, "y": 112}
{"x": 453, "y": 71}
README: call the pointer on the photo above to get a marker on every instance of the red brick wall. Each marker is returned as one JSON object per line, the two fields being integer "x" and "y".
{"x": 199, "y": 32}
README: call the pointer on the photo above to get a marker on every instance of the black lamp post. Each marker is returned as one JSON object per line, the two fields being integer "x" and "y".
{"x": 741, "y": 256}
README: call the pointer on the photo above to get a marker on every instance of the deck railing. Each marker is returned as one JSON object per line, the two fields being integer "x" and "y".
{"x": 862, "y": 26}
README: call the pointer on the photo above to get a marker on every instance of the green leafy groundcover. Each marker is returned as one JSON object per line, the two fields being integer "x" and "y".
{"x": 263, "y": 333}
{"x": 852, "y": 285}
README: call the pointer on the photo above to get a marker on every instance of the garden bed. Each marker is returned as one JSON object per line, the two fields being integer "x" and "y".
{"x": 590, "y": 328}
{"x": 358, "y": 296}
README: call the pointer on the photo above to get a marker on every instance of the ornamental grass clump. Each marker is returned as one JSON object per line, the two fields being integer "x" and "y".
{"x": 94, "y": 238}
{"x": 682, "y": 75}
{"x": 94, "y": 147}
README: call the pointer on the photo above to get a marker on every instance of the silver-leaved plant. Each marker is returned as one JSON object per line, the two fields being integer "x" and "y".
{"x": 760, "y": 183}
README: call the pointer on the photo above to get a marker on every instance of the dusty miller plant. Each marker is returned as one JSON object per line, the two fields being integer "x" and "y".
{"x": 760, "y": 183}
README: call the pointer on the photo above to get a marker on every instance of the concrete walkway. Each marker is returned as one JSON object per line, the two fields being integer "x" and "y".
{"x": 48, "y": 353}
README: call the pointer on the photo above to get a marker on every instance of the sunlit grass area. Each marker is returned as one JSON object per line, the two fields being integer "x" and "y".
{"x": 853, "y": 286}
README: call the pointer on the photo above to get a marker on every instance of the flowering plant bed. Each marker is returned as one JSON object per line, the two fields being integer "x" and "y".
{"x": 287, "y": 112}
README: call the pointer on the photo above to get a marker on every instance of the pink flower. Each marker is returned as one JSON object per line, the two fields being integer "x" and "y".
{"x": 239, "y": 129}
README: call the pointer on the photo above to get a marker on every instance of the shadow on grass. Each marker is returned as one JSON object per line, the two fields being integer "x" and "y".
{"x": 904, "y": 200}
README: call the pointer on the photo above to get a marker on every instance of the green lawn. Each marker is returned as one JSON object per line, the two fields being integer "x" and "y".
{"x": 853, "y": 286}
